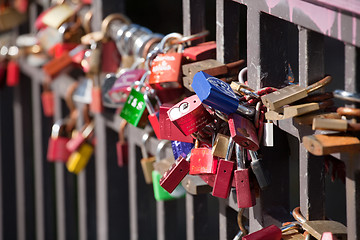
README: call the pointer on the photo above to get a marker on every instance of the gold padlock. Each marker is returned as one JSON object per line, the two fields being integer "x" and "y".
{"x": 79, "y": 159}
{"x": 59, "y": 14}
{"x": 146, "y": 161}
{"x": 219, "y": 148}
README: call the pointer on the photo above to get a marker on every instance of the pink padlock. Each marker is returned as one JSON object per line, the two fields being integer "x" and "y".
{"x": 57, "y": 150}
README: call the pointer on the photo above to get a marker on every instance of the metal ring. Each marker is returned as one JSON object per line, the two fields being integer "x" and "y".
{"x": 139, "y": 43}
{"x": 193, "y": 37}
{"x": 126, "y": 36}
{"x": 152, "y": 44}
{"x": 116, "y": 16}
{"x": 344, "y": 95}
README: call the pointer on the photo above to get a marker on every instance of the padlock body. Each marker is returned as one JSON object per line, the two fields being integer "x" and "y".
{"x": 110, "y": 57}
{"x": 175, "y": 174}
{"x": 168, "y": 130}
{"x": 47, "y": 100}
{"x": 122, "y": 153}
{"x": 134, "y": 109}
{"x": 147, "y": 168}
{"x": 223, "y": 179}
{"x": 286, "y": 95}
{"x": 166, "y": 69}
{"x": 245, "y": 196}
{"x": 201, "y": 51}
{"x": 202, "y": 161}
{"x": 13, "y": 74}
{"x": 75, "y": 142}
{"x": 57, "y": 150}
{"x": 243, "y": 132}
{"x": 181, "y": 148}
{"x": 189, "y": 115}
{"x": 220, "y": 145}
{"x": 271, "y": 232}
{"x": 215, "y": 93}
{"x": 154, "y": 121}
{"x": 79, "y": 159}
{"x": 160, "y": 193}
{"x": 96, "y": 105}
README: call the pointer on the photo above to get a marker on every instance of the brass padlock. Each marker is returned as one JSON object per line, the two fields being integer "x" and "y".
{"x": 146, "y": 161}
{"x": 220, "y": 145}
{"x": 79, "y": 159}
{"x": 59, "y": 14}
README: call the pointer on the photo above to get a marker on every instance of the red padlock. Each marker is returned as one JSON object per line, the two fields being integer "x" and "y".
{"x": 13, "y": 73}
{"x": 110, "y": 57}
{"x": 96, "y": 105}
{"x": 153, "y": 114}
{"x": 168, "y": 130}
{"x": 224, "y": 174}
{"x": 189, "y": 115}
{"x": 243, "y": 132}
{"x": 122, "y": 148}
{"x": 271, "y": 232}
{"x": 73, "y": 144}
{"x": 202, "y": 161}
{"x": 57, "y": 150}
{"x": 202, "y": 51}
{"x": 172, "y": 178}
{"x": 61, "y": 48}
{"x": 47, "y": 100}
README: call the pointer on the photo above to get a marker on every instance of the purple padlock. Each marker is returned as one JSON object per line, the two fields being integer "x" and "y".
{"x": 181, "y": 148}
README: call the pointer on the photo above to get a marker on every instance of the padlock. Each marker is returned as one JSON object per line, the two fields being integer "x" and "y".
{"x": 146, "y": 161}
{"x": 243, "y": 132}
{"x": 224, "y": 174}
{"x": 168, "y": 130}
{"x": 202, "y": 51}
{"x": 202, "y": 161}
{"x": 57, "y": 15}
{"x": 348, "y": 111}
{"x": 346, "y": 96}
{"x": 244, "y": 194}
{"x": 160, "y": 193}
{"x": 328, "y": 236}
{"x": 334, "y": 125}
{"x": 122, "y": 86}
{"x": 195, "y": 185}
{"x": 325, "y": 144}
{"x": 57, "y": 150}
{"x": 110, "y": 57}
{"x": 122, "y": 147}
{"x": 75, "y": 142}
{"x": 162, "y": 164}
{"x": 219, "y": 95}
{"x": 153, "y": 115}
{"x": 317, "y": 227}
{"x": 106, "y": 85}
{"x": 291, "y": 94}
{"x": 134, "y": 110}
{"x": 12, "y": 73}
{"x": 80, "y": 158}
{"x": 262, "y": 176}
{"x": 271, "y": 232}
{"x": 165, "y": 68}
{"x": 189, "y": 115}
{"x": 309, "y": 118}
{"x": 181, "y": 148}
{"x": 47, "y": 100}
{"x": 82, "y": 94}
{"x": 220, "y": 144}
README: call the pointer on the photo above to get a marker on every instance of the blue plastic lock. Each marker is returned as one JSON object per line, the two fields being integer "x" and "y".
{"x": 181, "y": 148}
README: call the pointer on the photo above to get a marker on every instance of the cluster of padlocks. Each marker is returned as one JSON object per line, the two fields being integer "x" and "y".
{"x": 201, "y": 107}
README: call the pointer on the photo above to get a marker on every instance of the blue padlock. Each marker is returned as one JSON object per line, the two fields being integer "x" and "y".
{"x": 218, "y": 94}
{"x": 181, "y": 148}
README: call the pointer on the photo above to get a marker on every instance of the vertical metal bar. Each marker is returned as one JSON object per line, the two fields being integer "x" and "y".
{"x": 82, "y": 205}
{"x": 193, "y": 17}
{"x": 1, "y": 184}
{"x": 166, "y": 220}
{"x": 352, "y": 83}
{"x": 101, "y": 178}
{"x": 59, "y": 181}
{"x": 19, "y": 164}
{"x": 227, "y": 220}
{"x": 38, "y": 161}
{"x": 227, "y": 31}
{"x": 197, "y": 217}
{"x": 134, "y": 227}
{"x": 312, "y": 179}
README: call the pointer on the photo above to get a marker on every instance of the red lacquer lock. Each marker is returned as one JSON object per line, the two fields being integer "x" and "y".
{"x": 13, "y": 73}
{"x": 122, "y": 149}
{"x": 244, "y": 194}
{"x": 74, "y": 143}
{"x": 60, "y": 49}
{"x": 201, "y": 51}
{"x": 224, "y": 174}
{"x": 189, "y": 115}
{"x": 243, "y": 132}
{"x": 172, "y": 178}
{"x": 110, "y": 57}
{"x": 168, "y": 130}
{"x": 47, "y": 100}
{"x": 57, "y": 150}
{"x": 153, "y": 114}
{"x": 202, "y": 161}
{"x": 96, "y": 105}
{"x": 271, "y": 232}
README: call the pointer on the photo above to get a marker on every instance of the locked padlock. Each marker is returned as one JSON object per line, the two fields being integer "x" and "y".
{"x": 110, "y": 57}
{"x": 195, "y": 185}
{"x": 57, "y": 15}
{"x": 75, "y": 142}
{"x": 122, "y": 147}
{"x": 220, "y": 145}
{"x": 346, "y": 96}
{"x": 134, "y": 110}
{"x": 12, "y": 73}
{"x": 168, "y": 130}
{"x": 219, "y": 95}
{"x": 272, "y": 232}
{"x": 244, "y": 193}
{"x": 146, "y": 161}
{"x": 222, "y": 183}
{"x": 181, "y": 148}
{"x": 334, "y": 125}
{"x": 160, "y": 193}
{"x": 163, "y": 164}
{"x": 47, "y": 100}
{"x": 202, "y": 161}
{"x": 202, "y": 51}
{"x": 57, "y": 150}
{"x": 261, "y": 174}
{"x": 189, "y": 115}
{"x": 290, "y": 94}
{"x": 79, "y": 159}
{"x": 317, "y": 227}
{"x": 153, "y": 114}
{"x": 243, "y": 132}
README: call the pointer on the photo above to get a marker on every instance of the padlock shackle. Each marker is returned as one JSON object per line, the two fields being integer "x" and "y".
{"x": 88, "y": 130}
{"x": 319, "y": 84}
{"x": 240, "y": 223}
{"x": 123, "y": 125}
{"x": 229, "y": 149}
{"x": 192, "y": 37}
{"x": 162, "y": 144}
{"x": 55, "y": 129}
{"x": 142, "y": 80}
{"x": 240, "y": 155}
{"x": 348, "y": 96}
{"x": 145, "y": 137}
{"x": 347, "y": 111}
{"x": 167, "y": 38}
{"x": 147, "y": 47}
{"x": 298, "y": 216}
{"x": 242, "y": 74}
{"x": 105, "y": 24}
{"x": 247, "y": 111}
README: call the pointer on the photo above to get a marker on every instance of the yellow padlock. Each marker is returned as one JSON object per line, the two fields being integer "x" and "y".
{"x": 79, "y": 159}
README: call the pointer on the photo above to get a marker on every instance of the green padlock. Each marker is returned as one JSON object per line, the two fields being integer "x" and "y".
{"x": 134, "y": 110}
{"x": 160, "y": 193}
